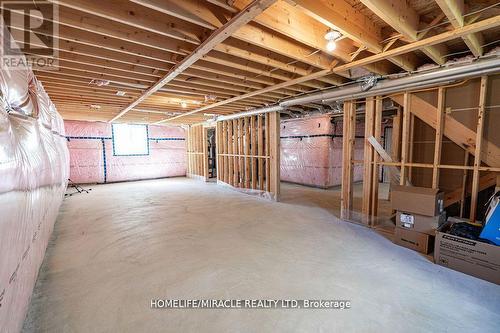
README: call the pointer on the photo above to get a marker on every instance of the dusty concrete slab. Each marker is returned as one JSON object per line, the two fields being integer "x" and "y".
{"x": 117, "y": 248}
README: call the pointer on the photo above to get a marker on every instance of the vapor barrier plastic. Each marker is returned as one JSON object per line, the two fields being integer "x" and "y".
{"x": 311, "y": 151}
{"x": 34, "y": 163}
{"x": 92, "y": 159}
{"x": 249, "y": 191}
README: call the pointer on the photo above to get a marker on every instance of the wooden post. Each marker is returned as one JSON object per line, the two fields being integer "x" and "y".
{"x": 268, "y": 131}
{"x": 235, "y": 152}
{"x": 230, "y": 152}
{"x": 377, "y": 129}
{"x": 478, "y": 150}
{"x": 205, "y": 153}
{"x": 411, "y": 146}
{"x": 274, "y": 152}
{"x": 254, "y": 152}
{"x": 260, "y": 146}
{"x": 405, "y": 135}
{"x": 247, "y": 152}
{"x": 439, "y": 137}
{"x": 463, "y": 195}
{"x": 368, "y": 159}
{"x": 347, "y": 152}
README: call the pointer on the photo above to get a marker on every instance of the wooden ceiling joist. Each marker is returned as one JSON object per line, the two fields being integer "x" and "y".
{"x": 405, "y": 20}
{"x": 430, "y": 41}
{"x": 341, "y": 16}
{"x": 454, "y": 11}
{"x": 242, "y": 18}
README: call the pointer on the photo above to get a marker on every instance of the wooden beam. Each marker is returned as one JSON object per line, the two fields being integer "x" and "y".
{"x": 405, "y": 20}
{"x": 138, "y": 17}
{"x": 479, "y": 146}
{"x": 438, "y": 142}
{"x": 342, "y": 16}
{"x": 443, "y": 37}
{"x": 453, "y": 130}
{"x": 454, "y": 11}
{"x": 245, "y": 16}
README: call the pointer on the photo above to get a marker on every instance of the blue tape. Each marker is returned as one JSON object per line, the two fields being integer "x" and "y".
{"x": 104, "y": 160}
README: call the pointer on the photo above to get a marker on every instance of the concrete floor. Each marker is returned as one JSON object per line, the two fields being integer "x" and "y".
{"x": 118, "y": 247}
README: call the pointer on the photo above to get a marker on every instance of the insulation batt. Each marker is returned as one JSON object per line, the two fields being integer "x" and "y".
{"x": 167, "y": 154}
{"x": 311, "y": 151}
{"x": 34, "y": 168}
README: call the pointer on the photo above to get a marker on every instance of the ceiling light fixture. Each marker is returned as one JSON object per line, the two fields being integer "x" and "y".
{"x": 184, "y": 105}
{"x": 331, "y": 36}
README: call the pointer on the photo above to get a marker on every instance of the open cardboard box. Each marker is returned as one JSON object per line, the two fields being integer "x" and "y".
{"x": 468, "y": 256}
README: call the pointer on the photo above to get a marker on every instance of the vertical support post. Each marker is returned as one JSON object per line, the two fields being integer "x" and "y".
{"x": 235, "y": 153}
{"x": 478, "y": 150}
{"x": 377, "y": 129}
{"x": 405, "y": 135}
{"x": 241, "y": 167}
{"x": 205, "y": 152}
{"x": 410, "y": 147}
{"x": 465, "y": 177}
{"x": 368, "y": 159}
{"x": 225, "y": 152}
{"x": 347, "y": 153}
{"x": 439, "y": 137}
{"x": 230, "y": 152}
{"x": 253, "y": 144}
{"x": 260, "y": 145}
{"x": 247, "y": 152}
{"x": 274, "y": 152}
{"x": 267, "y": 151}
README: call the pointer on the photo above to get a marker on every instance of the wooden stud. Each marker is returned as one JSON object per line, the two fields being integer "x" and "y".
{"x": 260, "y": 146}
{"x": 268, "y": 134}
{"x": 205, "y": 152}
{"x": 439, "y": 137}
{"x": 368, "y": 158}
{"x": 347, "y": 149}
{"x": 274, "y": 183}
{"x": 230, "y": 151}
{"x": 465, "y": 175}
{"x": 405, "y": 136}
{"x": 377, "y": 129}
{"x": 254, "y": 152}
{"x": 478, "y": 150}
{"x": 247, "y": 152}
{"x": 241, "y": 151}
{"x": 235, "y": 151}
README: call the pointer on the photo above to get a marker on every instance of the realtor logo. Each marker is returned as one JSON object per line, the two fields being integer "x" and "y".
{"x": 29, "y": 34}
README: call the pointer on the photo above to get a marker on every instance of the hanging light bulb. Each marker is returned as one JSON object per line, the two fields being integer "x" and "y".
{"x": 331, "y": 45}
{"x": 331, "y": 36}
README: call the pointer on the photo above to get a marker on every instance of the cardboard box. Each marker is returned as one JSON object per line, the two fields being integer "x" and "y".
{"x": 417, "y": 200}
{"x": 414, "y": 240}
{"x": 468, "y": 256}
{"x": 420, "y": 223}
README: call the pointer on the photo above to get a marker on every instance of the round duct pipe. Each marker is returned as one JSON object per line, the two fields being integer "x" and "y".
{"x": 415, "y": 81}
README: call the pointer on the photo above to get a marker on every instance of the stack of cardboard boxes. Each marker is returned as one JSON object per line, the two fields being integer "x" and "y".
{"x": 420, "y": 212}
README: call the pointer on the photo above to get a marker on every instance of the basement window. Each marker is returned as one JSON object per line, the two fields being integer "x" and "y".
{"x": 130, "y": 140}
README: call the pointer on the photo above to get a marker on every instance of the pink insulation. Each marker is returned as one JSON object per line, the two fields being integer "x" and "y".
{"x": 92, "y": 160}
{"x": 34, "y": 168}
{"x": 311, "y": 151}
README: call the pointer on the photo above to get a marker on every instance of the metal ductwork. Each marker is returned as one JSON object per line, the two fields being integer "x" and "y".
{"x": 413, "y": 81}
